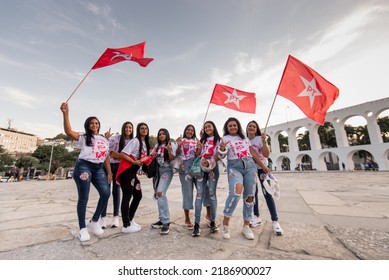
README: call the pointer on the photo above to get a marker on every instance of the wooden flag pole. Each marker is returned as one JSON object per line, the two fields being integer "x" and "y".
{"x": 206, "y": 113}
{"x": 78, "y": 85}
{"x": 271, "y": 109}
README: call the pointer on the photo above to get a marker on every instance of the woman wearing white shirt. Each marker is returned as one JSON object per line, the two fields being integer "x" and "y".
{"x": 89, "y": 169}
{"x": 241, "y": 171}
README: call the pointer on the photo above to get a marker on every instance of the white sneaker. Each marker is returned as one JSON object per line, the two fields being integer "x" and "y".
{"x": 256, "y": 221}
{"x": 225, "y": 231}
{"x": 133, "y": 223}
{"x": 248, "y": 233}
{"x": 103, "y": 222}
{"x": 277, "y": 228}
{"x": 95, "y": 228}
{"x": 84, "y": 235}
{"x": 130, "y": 229}
{"x": 115, "y": 222}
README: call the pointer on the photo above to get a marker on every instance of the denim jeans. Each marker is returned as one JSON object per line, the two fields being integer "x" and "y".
{"x": 206, "y": 188}
{"x": 115, "y": 192}
{"x": 131, "y": 188}
{"x": 165, "y": 174}
{"x": 187, "y": 185}
{"x": 240, "y": 171}
{"x": 271, "y": 205}
{"x": 84, "y": 174}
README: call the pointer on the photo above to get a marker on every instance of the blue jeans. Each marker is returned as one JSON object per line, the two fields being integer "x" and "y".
{"x": 115, "y": 192}
{"x": 165, "y": 178}
{"x": 84, "y": 174}
{"x": 240, "y": 171}
{"x": 271, "y": 205}
{"x": 207, "y": 191}
{"x": 187, "y": 185}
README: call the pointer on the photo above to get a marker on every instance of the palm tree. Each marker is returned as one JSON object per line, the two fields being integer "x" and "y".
{"x": 327, "y": 136}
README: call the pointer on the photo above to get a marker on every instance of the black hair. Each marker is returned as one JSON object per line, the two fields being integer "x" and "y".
{"x": 88, "y": 132}
{"x": 122, "y": 140}
{"x": 165, "y": 155}
{"x": 240, "y": 130}
{"x": 194, "y": 131}
{"x": 216, "y": 136}
{"x": 147, "y": 138}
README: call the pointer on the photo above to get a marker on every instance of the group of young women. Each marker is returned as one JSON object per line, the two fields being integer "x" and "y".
{"x": 118, "y": 159}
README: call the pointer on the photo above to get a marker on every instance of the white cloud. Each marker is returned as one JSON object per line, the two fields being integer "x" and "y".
{"x": 17, "y": 96}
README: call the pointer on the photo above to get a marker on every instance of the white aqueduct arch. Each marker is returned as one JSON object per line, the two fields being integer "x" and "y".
{"x": 369, "y": 110}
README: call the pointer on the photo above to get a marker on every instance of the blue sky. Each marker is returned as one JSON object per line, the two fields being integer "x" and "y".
{"x": 47, "y": 47}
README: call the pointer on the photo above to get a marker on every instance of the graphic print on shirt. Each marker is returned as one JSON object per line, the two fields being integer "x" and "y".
{"x": 188, "y": 149}
{"x": 208, "y": 149}
{"x": 240, "y": 148}
{"x": 259, "y": 151}
{"x": 101, "y": 148}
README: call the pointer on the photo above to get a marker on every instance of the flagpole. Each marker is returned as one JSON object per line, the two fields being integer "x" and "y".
{"x": 209, "y": 104}
{"x": 78, "y": 85}
{"x": 271, "y": 109}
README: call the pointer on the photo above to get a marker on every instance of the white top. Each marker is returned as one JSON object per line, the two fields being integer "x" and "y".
{"x": 237, "y": 147}
{"x": 188, "y": 148}
{"x": 97, "y": 152}
{"x": 114, "y": 146}
{"x": 209, "y": 149}
{"x": 132, "y": 148}
{"x": 160, "y": 153}
{"x": 257, "y": 145}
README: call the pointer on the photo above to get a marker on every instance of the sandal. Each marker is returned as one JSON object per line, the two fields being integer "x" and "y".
{"x": 189, "y": 226}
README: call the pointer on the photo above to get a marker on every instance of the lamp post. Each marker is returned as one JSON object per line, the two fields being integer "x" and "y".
{"x": 51, "y": 158}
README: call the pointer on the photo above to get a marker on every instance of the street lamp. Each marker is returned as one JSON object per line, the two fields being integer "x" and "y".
{"x": 51, "y": 158}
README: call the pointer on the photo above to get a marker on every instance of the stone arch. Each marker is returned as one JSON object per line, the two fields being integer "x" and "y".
{"x": 328, "y": 161}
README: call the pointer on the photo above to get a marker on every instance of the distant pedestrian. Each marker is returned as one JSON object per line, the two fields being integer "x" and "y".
{"x": 343, "y": 166}
{"x": 89, "y": 169}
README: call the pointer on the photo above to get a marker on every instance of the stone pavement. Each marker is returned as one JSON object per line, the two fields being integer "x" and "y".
{"x": 325, "y": 215}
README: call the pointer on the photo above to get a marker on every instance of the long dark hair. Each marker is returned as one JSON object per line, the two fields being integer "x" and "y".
{"x": 165, "y": 154}
{"x": 122, "y": 140}
{"x": 88, "y": 132}
{"x": 194, "y": 131}
{"x": 147, "y": 138}
{"x": 216, "y": 136}
{"x": 240, "y": 130}
{"x": 258, "y": 132}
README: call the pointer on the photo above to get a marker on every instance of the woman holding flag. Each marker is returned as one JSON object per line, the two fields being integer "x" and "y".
{"x": 89, "y": 169}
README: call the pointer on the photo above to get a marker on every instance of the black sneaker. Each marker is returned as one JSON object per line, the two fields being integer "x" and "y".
{"x": 196, "y": 230}
{"x": 164, "y": 229}
{"x": 157, "y": 225}
{"x": 213, "y": 227}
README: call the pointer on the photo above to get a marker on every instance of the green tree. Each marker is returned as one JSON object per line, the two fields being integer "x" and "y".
{"x": 383, "y": 123}
{"x": 283, "y": 141}
{"x": 27, "y": 161}
{"x": 327, "y": 136}
{"x": 60, "y": 158}
{"x": 5, "y": 159}
{"x": 303, "y": 141}
{"x": 62, "y": 136}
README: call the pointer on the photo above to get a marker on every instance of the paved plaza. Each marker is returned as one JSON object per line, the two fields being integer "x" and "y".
{"x": 324, "y": 215}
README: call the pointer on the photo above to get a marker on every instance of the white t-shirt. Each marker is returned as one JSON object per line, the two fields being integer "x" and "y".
{"x": 114, "y": 146}
{"x": 160, "y": 153}
{"x": 132, "y": 148}
{"x": 96, "y": 153}
{"x": 257, "y": 145}
{"x": 188, "y": 148}
{"x": 209, "y": 149}
{"x": 237, "y": 147}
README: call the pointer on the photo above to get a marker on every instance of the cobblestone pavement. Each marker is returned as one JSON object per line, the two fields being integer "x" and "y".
{"x": 324, "y": 215}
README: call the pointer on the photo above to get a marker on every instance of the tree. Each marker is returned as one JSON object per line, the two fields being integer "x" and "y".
{"x": 62, "y": 136}
{"x": 60, "y": 158}
{"x": 303, "y": 141}
{"x": 283, "y": 142}
{"x": 383, "y": 123}
{"x": 327, "y": 136}
{"x": 5, "y": 159}
{"x": 26, "y": 161}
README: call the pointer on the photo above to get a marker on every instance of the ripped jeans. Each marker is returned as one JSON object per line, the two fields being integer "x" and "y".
{"x": 84, "y": 174}
{"x": 165, "y": 174}
{"x": 207, "y": 192}
{"x": 240, "y": 171}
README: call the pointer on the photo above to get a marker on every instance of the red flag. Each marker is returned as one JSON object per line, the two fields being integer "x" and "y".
{"x": 307, "y": 89}
{"x": 132, "y": 53}
{"x": 234, "y": 99}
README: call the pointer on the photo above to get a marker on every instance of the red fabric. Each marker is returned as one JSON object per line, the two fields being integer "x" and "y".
{"x": 147, "y": 159}
{"x": 123, "y": 165}
{"x": 234, "y": 99}
{"x": 132, "y": 53}
{"x": 307, "y": 89}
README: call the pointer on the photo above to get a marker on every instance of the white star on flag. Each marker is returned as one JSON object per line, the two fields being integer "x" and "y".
{"x": 310, "y": 90}
{"x": 233, "y": 98}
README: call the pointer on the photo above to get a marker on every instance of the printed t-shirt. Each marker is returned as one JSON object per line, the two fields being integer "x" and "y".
{"x": 95, "y": 153}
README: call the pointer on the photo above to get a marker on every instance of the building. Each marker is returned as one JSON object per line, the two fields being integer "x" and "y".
{"x": 344, "y": 155}
{"x": 14, "y": 141}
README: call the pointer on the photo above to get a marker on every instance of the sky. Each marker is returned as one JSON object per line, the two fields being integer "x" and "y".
{"x": 47, "y": 48}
